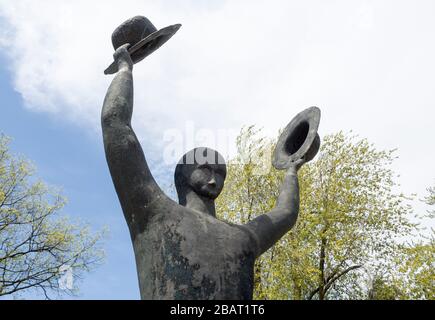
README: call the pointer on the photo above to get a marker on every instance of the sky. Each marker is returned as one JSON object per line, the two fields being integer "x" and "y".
{"x": 368, "y": 65}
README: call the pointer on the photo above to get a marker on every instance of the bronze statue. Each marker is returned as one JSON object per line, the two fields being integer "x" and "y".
{"x": 182, "y": 250}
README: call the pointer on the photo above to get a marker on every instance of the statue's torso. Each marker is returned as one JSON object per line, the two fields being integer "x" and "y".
{"x": 182, "y": 254}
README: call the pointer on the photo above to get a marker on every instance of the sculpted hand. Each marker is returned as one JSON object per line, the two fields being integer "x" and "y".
{"x": 122, "y": 58}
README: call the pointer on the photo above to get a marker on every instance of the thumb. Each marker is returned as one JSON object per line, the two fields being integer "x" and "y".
{"x": 122, "y": 50}
{"x": 125, "y": 46}
{"x": 299, "y": 163}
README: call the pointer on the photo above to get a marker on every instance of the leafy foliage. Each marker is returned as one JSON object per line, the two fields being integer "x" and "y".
{"x": 349, "y": 221}
{"x": 38, "y": 248}
{"x": 412, "y": 274}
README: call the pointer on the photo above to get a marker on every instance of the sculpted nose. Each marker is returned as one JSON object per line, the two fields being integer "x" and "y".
{"x": 212, "y": 182}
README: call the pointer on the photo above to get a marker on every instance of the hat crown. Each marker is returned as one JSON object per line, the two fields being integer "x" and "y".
{"x": 132, "y": 31}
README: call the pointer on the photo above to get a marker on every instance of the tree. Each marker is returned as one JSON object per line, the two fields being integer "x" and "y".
{"x": 349, "y": 220}
{"x": 417, "y": 264}
{"x": 383, "y": 289}
{"x": 416, "y": 270}
{"x": 39, "y": 249}
{"x": 430, "y": 200}
{"x": 412, "y": 273}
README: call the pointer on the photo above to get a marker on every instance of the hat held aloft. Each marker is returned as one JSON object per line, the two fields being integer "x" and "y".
{"x": 143, "y": 37}
{"x": 298, "y": 140}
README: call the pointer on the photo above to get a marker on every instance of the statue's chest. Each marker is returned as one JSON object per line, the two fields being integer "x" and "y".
{"x": 194, "y": 259}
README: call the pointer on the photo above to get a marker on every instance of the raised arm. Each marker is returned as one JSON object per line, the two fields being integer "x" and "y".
{"x": 134, "y": 184}
{"x": 270, "y": 227}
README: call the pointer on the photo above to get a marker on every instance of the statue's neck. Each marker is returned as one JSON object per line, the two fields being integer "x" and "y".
{"x": 200, "y": 203}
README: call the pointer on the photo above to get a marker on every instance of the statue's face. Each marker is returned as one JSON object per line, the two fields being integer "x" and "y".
{"x": 208, "y": 180}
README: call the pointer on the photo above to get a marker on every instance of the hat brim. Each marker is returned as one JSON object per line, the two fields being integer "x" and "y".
{"x": 147, "y": 45}
{"x": 299, "y": 139}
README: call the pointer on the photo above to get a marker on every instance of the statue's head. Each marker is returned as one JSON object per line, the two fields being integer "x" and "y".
{"x": 201, "y": 170}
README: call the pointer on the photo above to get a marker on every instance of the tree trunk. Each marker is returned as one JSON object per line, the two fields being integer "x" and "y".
{"x": 322, "y": 279}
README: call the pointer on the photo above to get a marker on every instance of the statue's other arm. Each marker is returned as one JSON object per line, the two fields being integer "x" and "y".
{"x": 270, "y": 227}
{"x": 134, "y": 184}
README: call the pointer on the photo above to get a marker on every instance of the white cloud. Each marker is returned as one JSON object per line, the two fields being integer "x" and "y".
{"x": 367, "y": 64}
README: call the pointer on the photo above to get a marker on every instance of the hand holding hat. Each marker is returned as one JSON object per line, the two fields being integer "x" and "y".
{"x": 122, "y": 57}
{"x": 299, "y": 142}
{"x": 143, "y": 37}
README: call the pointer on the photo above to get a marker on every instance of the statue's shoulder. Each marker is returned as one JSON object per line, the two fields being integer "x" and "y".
{"x": 163, "y": 205}
{"x": 247, "y": 237}
{"x": 239, "y": 236}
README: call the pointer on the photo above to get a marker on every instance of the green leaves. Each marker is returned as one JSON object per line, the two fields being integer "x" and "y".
{"x": 37, "y": 244}
{"x": 350, "y": 219}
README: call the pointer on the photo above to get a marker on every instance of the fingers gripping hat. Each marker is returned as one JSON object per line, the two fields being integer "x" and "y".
{"x": 143, "y": 37}
{"x": 299, "y": 139}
